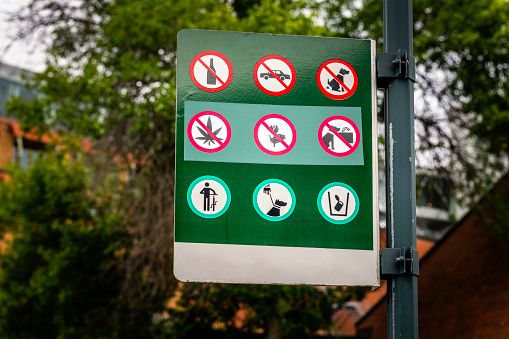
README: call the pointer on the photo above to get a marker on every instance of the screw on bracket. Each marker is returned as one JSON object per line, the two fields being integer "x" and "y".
{"x": 390, "y": 66}
{"x": 398, "y": 261}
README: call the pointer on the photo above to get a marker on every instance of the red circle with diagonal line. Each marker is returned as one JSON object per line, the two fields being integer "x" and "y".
{"x": 209, "y": 131}
{"x": 339, "y": 136}
{"x": 274, "y": 75}
{"x": 211, "y": 71}
{"x": 337, "y": 79}
{"x": 275, "y": 134}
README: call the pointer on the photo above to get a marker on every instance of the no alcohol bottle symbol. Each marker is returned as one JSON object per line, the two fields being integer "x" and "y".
{"x": 338, "y": 203}
{"x": 208, "y": 196}
{"x": 211, "y": 71}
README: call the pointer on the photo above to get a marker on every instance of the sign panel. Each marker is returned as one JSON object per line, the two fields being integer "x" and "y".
{"x": 276, "y": 160}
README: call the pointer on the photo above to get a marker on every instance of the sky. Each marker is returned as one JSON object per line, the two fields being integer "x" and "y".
{"x": 22, "y": 55}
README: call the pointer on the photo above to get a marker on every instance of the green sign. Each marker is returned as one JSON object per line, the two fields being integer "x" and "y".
{"x": 276, "y": 162}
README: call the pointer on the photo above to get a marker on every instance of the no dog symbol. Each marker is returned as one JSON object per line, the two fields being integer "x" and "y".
{"x": 337, "y": 79}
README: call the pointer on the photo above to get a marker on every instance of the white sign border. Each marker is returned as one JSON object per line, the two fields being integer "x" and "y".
{"x": 223, "y": 263}
{"x": 275, "y": 265}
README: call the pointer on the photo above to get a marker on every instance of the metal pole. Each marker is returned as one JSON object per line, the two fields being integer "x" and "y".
{"x": 400, "y": 168}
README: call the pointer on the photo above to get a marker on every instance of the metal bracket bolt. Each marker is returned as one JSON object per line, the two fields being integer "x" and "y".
{"x": 390, "y": 66}
{"x": 398, "y": 261}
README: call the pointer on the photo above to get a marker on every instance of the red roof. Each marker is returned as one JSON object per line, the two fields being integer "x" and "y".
{"x": 32, "y": 135}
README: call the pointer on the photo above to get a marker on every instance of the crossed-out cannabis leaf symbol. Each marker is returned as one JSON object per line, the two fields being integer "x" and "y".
{"x": 206, "y": 136}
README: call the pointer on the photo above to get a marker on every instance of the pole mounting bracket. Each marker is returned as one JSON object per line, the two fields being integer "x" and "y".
{"x": 390, "y": 66}
{"x": 399, "y": 261}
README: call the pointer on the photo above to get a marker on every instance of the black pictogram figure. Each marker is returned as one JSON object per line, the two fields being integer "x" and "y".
{"x": 334, "y": 84}
{"x": 280, "y": 74}
{"x": 206, "y": 136}
{"x": 328, "y": 139}
{"x": 273, "y": 138}
{"x": 211, "y": 79}
{"x": 207, "y": 192}
{"x": 339, "y": 205}
{"x": 275, "y": 211}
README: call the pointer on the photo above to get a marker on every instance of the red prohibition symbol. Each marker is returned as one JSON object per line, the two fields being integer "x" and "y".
{"x": 209, "y": 131}
{"x": 274, "y": 75}
{"x": 337, "y": 79}
{"x": 211, "y": 71}
{"x": 339, "y": 136}
{"x": 274, "y": 134}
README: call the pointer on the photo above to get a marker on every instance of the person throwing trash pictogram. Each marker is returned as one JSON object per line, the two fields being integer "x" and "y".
{"x": 206, "y": 191}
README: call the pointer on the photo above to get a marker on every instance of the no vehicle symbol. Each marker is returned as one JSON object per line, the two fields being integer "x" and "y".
{"x": 339, "y": 136}
{"x": 211, "y": 71}
{"x": 274, "y": 75}
{"x": 275, "y": 134}
{"x": 337, "y": 79}
{"x": 209, "y": 131}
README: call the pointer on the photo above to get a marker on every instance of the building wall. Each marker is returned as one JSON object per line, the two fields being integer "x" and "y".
{"x": 463, "y": 287}
{"x": 7, "y": 141}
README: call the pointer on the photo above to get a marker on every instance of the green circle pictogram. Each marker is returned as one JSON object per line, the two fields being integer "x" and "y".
{"x": 208, "y": 196}
{"x": 274, "y": 200}
{"x": 338, "y": 203}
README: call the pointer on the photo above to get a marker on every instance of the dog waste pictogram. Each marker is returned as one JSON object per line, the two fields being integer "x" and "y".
{"x": 337, "y": 79}
{"x": 274, "y": 200}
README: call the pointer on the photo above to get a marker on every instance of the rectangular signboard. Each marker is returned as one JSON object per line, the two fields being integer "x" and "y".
{"x": 276, "y": 160}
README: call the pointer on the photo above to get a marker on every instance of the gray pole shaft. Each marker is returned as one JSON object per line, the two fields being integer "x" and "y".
{"x": 402, "y": 320}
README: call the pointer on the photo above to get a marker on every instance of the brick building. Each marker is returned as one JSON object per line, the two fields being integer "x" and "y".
{"x": 463, "y": 286}
{"x": 345, "y": 318}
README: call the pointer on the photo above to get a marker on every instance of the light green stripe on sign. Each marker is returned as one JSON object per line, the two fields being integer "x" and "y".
{"x": 242, "y": 147}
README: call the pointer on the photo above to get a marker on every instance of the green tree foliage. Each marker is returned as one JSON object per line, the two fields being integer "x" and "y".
{"x": 280, "y": 311}
{"x": 111, "y": 77}
{"x": 462, "y": 106}
{"x": 60, "y": 275}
